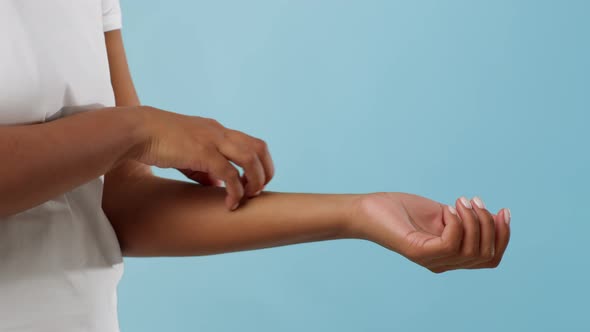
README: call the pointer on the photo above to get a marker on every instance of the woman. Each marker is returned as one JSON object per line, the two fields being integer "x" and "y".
{"x": 77, "y": 192}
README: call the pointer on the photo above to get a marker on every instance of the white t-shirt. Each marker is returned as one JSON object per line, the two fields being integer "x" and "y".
{"x": 60, "y": 261}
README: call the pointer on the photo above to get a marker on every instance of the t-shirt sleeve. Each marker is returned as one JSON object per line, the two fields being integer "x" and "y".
{"x": 111, "y": 15}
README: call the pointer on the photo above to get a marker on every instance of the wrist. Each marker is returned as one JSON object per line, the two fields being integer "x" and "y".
{"x": 371, "y": 216}
{"x": 136, "y": 121}
{"x": 354, "y": 223}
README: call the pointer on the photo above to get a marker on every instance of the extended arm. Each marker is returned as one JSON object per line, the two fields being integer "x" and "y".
{"x": 165, "y": 217}
{"x": 155, "y": 216}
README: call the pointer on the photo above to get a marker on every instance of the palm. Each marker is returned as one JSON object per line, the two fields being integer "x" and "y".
{"x": 424, "y": 215}
{"x": 404, "y": 219}
{"x": 435, "y": 236}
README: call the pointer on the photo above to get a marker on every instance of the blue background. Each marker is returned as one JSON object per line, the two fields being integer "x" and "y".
{"x": 437, "y": 98}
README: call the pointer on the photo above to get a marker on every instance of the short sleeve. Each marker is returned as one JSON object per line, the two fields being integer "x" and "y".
{"x": 111, "y": 15}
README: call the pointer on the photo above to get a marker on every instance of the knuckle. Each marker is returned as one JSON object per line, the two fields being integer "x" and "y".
{"x": 201, "y": 148}
{"x": 206, "y": 148}
{"x": 230, "y": 172}
{"x": 249, "y": 158}
{"x": 232, "y": 134}
{"x": 260, "y": 144}
{"x": 214, "y": 122}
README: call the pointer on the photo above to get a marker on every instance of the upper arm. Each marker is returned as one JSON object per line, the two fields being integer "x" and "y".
{"x": 125, "y": 95}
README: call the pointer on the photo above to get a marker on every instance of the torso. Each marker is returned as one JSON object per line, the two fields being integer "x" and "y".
{"x": 60, "y": 261}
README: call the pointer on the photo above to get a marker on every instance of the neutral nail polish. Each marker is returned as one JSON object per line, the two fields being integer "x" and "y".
{"x": 465, "y": 202}
{"x": 257, "y": 193}
{"x": 452, "y": 209}
{"x": 235, "y": 206}
{"x": 507, "y": 215}
{"x": 479, "y": 202}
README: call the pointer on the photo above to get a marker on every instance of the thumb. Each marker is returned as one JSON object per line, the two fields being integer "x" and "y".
{"x": 449, "y": 242}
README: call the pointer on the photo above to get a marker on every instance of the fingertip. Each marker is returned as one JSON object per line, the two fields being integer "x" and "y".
{"x": 478, "y": 202}
{"x": 501, "y": 216}
{"x": 241, "y": 188}
{"x": 452, "y": 209}
{"x": 229, "y": 202}
{"x": 452, "y": 214}
{"x": 463, "y": 201}
{"x": 452, "y": 230}
{"x": 507, "y": 216}
{"x": 460, "y": 208}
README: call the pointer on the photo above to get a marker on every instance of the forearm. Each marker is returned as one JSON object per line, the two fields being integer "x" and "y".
{"x": 165, "y": 217}
{"x": 40, "y": 161}
{"x": 154, "y": 216}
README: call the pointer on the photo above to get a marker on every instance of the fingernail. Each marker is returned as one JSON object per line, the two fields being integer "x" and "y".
{"x": 507, "y": 215}
{"x": 452, "y": 209}
{"x": 235, "y": 206}
{"x": 257, "y": 193}
{"x": 465, "y": 202}
{"x": 479, "y": 202}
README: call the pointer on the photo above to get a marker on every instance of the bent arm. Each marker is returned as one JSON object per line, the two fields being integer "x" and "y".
{"x": 154, "y": 216}
{"x": 43, "y": 160}
{"x": 165, "y": 217}
{"x": 125, "y": 95}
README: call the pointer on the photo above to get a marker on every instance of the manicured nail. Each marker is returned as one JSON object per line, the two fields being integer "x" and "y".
{"x": 507, "y": 215}
{"x": 235, "y": 206}
{"x": 465, "y": 202}
{"x": 452, "y": 209}
{"x": 257, "y": 193}
{"x": 479, "y": 202}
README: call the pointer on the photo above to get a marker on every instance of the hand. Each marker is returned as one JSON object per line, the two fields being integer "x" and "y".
{"x": 436, "y": 236}
{"x": 201, "y": 148}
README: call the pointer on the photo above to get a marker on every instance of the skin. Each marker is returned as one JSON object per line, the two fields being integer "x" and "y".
{"x": 218, "y": 210}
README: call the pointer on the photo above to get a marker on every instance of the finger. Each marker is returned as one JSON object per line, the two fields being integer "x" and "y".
{"x": 470, "y": 248}
{"x": 212, "y": 180}
{"x": 486, "y": 242}
{"x": 487, "y": 230}
{"x": 502, "y": 229}
{"x": 217, "y": 182}
{"x": 221, "y": 168}
{"x": 247, "y": 158}
{"x": 469, "y": 251}
{"x": 448, "y": 244}
{"x": 266, "y": 159}
{"x": 263, "y": 152}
